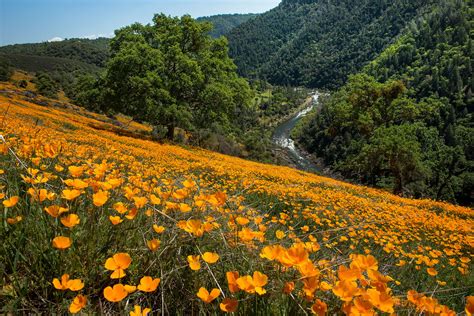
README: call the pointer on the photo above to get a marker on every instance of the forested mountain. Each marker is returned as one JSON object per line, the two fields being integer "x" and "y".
{"x": 94, "y": 52}
{"x": 58, "y": 63}
{"x": 224, "y": 23}
{"x": 318, "y": 43}
{"x": 406, "y": 122}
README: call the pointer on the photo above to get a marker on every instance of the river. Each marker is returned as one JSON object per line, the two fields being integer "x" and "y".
{"x": 282, "y": 137}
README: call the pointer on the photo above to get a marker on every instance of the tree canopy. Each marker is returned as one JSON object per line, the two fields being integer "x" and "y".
{"x": 405, "y": 122}
{"x": 172, "y": 73}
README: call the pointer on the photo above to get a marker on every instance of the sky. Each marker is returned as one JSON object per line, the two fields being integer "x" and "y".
{"x": 31, "y": 21}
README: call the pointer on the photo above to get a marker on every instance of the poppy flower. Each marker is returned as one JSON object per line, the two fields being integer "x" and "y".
{"x": 432, "y": 271}
{"x": 253, "y": 284}
{"x": 381, "y": 300}
{"x": 100, "y": 198}
{"x": 319, "y": 308}
{"x": 115, "y": 220}
{"x": 118, "y": 263}
{"x": 55, "y": 210}
{"x": 78, "y": 303}
{"x": 158, "y": 229}
{"x": 193, "y": 226}
{"x": 11, "y": 202}
{"x": 70, "y": 220}
{"x": 71, "y": 194}
{"x": 120, "y": 207}
{"x": 61, "y": 242}
{"x": 280, "y": 234}
{"x": 210, "y": 257}
{"x": 154, "y": 199}
{"x": 140, "y": 201}
{"x": 271, "y": 252}
{"x": 75, "y": 171}
{"x": 41, "y": 194}
{"x": 469, "y": 306}
{"x": 288, "y": 287}
{"x": 76, "y": 183}
{"x": 184, "y": 208}
{"x": 153, "y": 244}
{"x": 68, "y": 284}
{"x": 228, "y": 305}
{"x": 242, "y": 220}
{"x": 148, "y": 284}
{"x": 232, "y": 277}
{"x": 189, "y": 184}
{"x": 294, "y": 256}
{"x": 346, "y": 290}
{"x": 194, "y": 263}
{"x": 180, "y": 194}
{"x": 207, "y": 297}
{"x": 14, "y": 220}
{"x": 137, "y": 311}
{"x": 116, "y": 293}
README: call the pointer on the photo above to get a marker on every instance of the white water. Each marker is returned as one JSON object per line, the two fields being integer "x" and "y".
{"x": 282, "y": 133}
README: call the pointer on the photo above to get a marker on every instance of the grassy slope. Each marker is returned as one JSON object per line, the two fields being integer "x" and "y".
{"x": 325, "y": 221}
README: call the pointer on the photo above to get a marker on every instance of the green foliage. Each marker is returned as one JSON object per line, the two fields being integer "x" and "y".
{"x": 409, "y": 128}
{"x": 93, "y": 52}
{"x": 45, "y": 85}
{"x": 23, "y": 83}
{"x": 5, "y": 70}
{"x": 173, "y": 74}
{"x": 224, "y": 23}
{"x": 318, "y": 43}
{"x": 63, "y": 61}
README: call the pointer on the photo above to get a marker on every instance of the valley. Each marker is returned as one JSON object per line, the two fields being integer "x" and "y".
{"x": 282, "y": 136}
{"x": 315, "y": 157}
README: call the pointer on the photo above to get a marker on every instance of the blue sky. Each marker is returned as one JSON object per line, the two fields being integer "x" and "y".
{"x": 28, "y": 21}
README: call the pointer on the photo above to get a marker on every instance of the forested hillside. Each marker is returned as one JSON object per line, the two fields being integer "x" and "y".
{"x": 319, "y": 43}
{"x": 224, "y": 23}
{"x": 94, "y": 52}
{"x": 406, "y": 121}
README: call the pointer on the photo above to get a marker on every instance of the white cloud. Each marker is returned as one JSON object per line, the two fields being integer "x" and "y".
{"x": 96, "y": 36}
{"x": 56, "y": 39}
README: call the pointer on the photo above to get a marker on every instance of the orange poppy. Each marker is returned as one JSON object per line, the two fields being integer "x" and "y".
{"x": 137, "y": 311}
{"x": 210, "y": 257}
{"x": 469, "y": 306}
{"x": 207, "y": 297}
{"x": 116, "y": 293}
{"x": 118, "y": 263}
{"x": 100, "y": 198}
{"x": 77, "y": 304}
{"x": 115, "y": 220}
{"x": 228, "y": 305}
{"x": 70, "y": 220}
{"x": 71, "y": 194}
{"x": 61, "y": 242}
{"x": 319, "y": 308}
{"x": 232, "y": 277}
{"x": 68, "y": 284}
{"x": 55, "y": 210}
{"x": 148, "y": 284}
{"x": 75, "y": 171}
{"x": 194, "y": 263}
{"x": 11, "y": 202}
{"x": 153, "y": 244}
{"x": 158, "y": 229}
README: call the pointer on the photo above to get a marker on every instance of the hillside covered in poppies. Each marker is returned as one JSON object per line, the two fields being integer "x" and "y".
{"x": 96, "y": 218}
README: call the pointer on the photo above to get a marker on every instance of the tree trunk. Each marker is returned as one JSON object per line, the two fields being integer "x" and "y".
{"x": 170, "y": 132}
